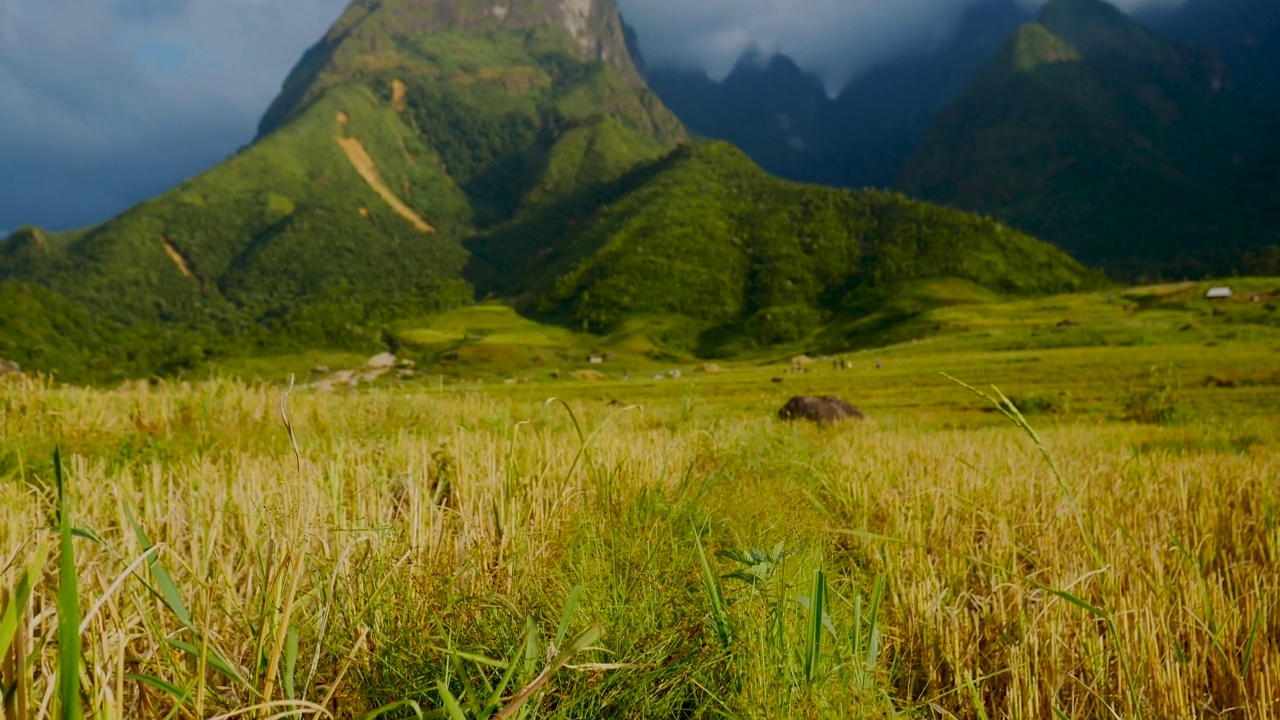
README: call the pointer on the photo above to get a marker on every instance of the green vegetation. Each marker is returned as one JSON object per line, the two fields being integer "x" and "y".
{"x": 451, "y": 551}
{"x": 756, "y": 261}
{"x": 1126, "y": 149}
{"x": 387, "y": 146}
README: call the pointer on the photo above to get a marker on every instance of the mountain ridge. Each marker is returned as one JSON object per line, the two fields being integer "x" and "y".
{"x": 1119, "y": 147}
{"x": 426, "y": 147}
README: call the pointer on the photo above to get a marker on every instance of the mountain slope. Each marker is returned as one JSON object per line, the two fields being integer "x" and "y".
{"x": 1246, "y": 33}
{"x": 783, "y": 118}
{"x": 1115, "y": 143}
{"x": 409, "y": 126}
{"x": 706, "y": 235}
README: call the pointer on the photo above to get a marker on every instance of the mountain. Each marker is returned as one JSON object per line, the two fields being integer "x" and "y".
{"x": 1245, "y": 33}
{"x": 769, "y": 107}
{"x": 783, "y": 118}
{"x": 408, "y": 127}
{"x": 746, "y": 259}
{"x": 1118, "y": 144}
{"x": 426, "y": 151}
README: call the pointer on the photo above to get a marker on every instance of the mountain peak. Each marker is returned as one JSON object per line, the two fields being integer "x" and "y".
{"x": 1095, "y": 27}
{"x": 1034, "y": 46}
{"x": 388, "y": 35}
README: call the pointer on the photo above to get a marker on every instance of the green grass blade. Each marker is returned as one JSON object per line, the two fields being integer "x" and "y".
{"x": 813, "y": 635}
{"x": 19, "y": 599}
{"x": 68, "y": 606}
{"x": 1248, "y": 646}
{"x": 533, "y": 652}
{"x": 579, "y": 643}
{"x": 495, "y": 699}
{"x": 570, "y": 606}
{"x": 473, "y": 657}
{"x": 451, "y": 705}
{"x": 216, "y": 661}
{"x": 873, "y": 617}
{"x": 719, "y": 613}
{"x": 164, "y": 581}
{"x": 181, "y": 697}
{"x": 397, "y": 705}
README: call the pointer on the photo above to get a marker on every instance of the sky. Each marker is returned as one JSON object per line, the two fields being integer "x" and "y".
{"x": 104, "y": 103}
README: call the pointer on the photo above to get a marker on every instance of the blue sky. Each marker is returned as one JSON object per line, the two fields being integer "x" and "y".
{"x": 107, "y": 102}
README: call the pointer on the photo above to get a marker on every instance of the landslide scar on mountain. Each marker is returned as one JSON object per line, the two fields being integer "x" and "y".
{"x": 398, "y": 91}
{"x": 363, "y": 163}
{"x": 176, "y": 257}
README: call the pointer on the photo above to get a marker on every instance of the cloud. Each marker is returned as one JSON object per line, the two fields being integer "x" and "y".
{"x": 109, "y": 101}
{"x": 834, "y": 38}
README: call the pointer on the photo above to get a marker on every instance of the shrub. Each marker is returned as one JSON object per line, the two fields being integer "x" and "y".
{"x": 1155, "y": 397}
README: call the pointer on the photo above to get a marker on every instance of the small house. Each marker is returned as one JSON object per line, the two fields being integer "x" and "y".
{"x": 1218, "y": 293}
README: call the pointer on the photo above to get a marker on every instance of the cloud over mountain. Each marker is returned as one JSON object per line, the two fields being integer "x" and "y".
{"x": 109, "y": 101}
{"x": 834, "y": 38}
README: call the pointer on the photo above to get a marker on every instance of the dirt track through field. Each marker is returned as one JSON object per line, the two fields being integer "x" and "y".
{"x": 363, "y": 163}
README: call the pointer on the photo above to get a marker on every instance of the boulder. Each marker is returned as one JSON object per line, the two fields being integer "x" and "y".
{"x": 8, "y": 367}
{"x": 823, "y": 409}
{"x": 383, "y": 361}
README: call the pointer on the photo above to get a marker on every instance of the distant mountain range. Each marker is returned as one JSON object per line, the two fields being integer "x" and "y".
{"x": 783, "y": 118}
{"x": 1147, "y": 155}
{"x": 425, "y": 152}
{"x": 1119, "y": 145}
{"x": 1244, "y": 33}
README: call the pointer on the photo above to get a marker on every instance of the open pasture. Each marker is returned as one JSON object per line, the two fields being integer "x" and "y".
{"x": 660, "y": 548}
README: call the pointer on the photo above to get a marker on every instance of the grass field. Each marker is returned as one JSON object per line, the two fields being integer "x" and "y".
{"x": 452, "y": 548}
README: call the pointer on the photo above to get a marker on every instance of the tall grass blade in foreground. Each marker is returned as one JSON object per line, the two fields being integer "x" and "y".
{"x": 813, "y": 629}
{"x": 715, "y": 598}
{"x": 68, "y": 605}
{"x": 13, "y": 671}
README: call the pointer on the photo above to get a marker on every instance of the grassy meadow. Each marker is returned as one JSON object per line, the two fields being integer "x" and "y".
{"x": 454, "y": 546}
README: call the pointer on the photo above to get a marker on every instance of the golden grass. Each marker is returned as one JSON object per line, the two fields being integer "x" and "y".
{"x": 419, "y": 530}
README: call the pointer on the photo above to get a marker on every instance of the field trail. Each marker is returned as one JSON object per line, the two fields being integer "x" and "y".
{"x": 363, "y": 163}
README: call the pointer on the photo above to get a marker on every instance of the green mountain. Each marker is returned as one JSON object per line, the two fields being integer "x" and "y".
{"x": 746, "y": 259}
{"x": 411, "y": 125}
{"x": 1119, "y": 145}
{"x": 429, "y": 151}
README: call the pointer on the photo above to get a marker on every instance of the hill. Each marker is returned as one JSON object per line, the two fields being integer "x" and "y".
{"x": 747, "y": 259}
{"x": 408, "y": 127}
{"x": 1117, "y": 144}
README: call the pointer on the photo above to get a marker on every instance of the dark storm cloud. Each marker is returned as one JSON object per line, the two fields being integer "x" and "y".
{"x": 105, "y": 103}
{"x": 833, "y": 38}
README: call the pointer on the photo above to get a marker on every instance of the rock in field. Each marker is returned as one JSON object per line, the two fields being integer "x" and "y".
{"x": 824, "y": 409}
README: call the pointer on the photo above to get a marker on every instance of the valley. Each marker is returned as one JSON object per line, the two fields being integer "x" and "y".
{"x": 471, "y": 387}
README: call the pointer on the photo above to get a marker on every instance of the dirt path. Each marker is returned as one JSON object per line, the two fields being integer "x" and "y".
{"x": 363, "y": 163}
